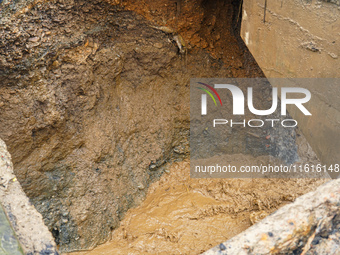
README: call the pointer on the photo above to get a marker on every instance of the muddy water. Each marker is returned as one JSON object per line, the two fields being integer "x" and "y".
{"x": 181, "y": 215}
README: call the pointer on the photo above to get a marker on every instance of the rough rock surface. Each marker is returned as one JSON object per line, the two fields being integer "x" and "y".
{"x": 310, "y": 225}
{"x": 27, "y": 223}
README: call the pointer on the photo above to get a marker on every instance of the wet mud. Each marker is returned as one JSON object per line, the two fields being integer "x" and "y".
{"x": 182, "y": 215}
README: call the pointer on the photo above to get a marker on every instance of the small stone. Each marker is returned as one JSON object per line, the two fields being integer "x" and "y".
{"x": 32, "y": 45}
{"x": 55, "y": 63}
{"x": 222, "y": 247}
{"x": 83, "y": 218}
{"x": 179, "y": 150}
{"x": 204, "y": 44}
{"x": 140, "y": 186}
{"x": 34, "y": 39}
{"x": 333, "y": 55}
{"x": 152, "y": 166}
{"x": 316, "y": 240}
{"x": 158, "y": 45}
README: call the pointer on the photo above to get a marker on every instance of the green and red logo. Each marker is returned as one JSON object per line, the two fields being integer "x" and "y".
{"x": 204, "y": 97}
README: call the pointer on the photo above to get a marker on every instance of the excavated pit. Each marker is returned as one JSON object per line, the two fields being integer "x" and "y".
{"x": 94, "y": 107}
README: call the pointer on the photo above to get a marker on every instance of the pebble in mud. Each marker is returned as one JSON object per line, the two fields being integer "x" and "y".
{"x": 257, "y": 216}
{"x": 158, "y": 45}
{"x": 33, "y": 39}
{"x": 152, "y": 167}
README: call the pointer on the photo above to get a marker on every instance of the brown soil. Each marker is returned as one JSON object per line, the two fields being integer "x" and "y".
{"x": 92, "y": 96}
{"x": 210, "y": 25}
{"x": 182, "y": 215}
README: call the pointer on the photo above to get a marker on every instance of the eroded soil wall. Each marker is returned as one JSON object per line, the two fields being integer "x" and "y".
{"x": 94, "y": 100}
